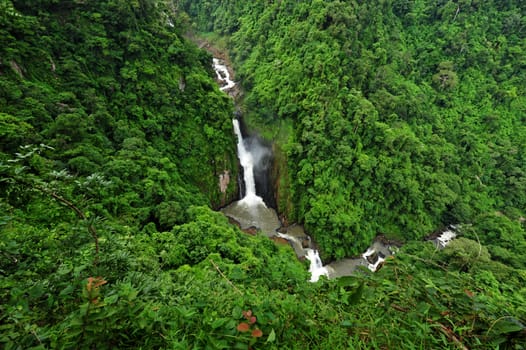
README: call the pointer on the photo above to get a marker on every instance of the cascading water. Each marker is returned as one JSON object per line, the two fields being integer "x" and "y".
{"x": 445, "y": 237}
{"x": 250, "y": 211}
{"x": 223, "y": 75}
{"x": 246, "y": 157}
{"x": 246, "y": 160}
{"x": 379, "y": 258}
{"x": 316, "y": 268}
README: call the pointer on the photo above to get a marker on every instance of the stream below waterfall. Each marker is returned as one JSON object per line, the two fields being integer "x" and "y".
{"x": 251, "y": 211}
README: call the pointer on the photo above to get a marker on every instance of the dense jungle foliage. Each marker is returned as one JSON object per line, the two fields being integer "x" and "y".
{"x": 406, "y": 115}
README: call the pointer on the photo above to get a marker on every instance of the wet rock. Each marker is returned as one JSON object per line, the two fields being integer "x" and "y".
{"x": 382, "y": 238}
{"x": 233, "y": 221}
{"x": 306, "y": 242}
{"x": 259, "y": 216}
{"x": 372, "y": 258}
{"x": 280, "y": 240}
{"x": 252, "y": 230}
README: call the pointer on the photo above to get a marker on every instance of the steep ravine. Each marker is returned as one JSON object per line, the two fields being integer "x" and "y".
{"x": 252, "y": 212}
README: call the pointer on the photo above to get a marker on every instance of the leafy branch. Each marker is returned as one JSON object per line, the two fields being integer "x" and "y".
{"x": 80, "y": 214}
{"x": 17, "y": 173}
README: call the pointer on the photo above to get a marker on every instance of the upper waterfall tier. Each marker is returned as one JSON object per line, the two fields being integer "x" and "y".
{"x": 223, "y": 75}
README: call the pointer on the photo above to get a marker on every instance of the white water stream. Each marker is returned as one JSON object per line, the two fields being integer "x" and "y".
{"x": 246, "y": 160}
{"x": 446, "y": 237}
{"x": 372, "y": 266}
{"x": 250, "y": 211}
{"x": 316, "y": 268}
{"x": 223, "y": 75}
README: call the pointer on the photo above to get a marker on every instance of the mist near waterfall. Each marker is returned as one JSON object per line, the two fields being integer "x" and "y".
{"x": 261, "y": 153}
{"x": 263, "y": 157}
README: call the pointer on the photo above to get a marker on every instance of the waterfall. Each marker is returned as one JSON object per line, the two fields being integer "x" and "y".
{"x": 370, "y": 251}
{"x": 316, "y": 268}
{"x": 246, "y": 160}
{"x": 223, "y": 75}
{"x": 250, "y": 211}
{"x": 293, "y": 240}
{"x": 445, "y": 237}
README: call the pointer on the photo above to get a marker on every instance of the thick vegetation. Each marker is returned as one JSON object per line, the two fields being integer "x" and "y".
{"x": 113, "y": 134}
{"x": 408, "y": 115}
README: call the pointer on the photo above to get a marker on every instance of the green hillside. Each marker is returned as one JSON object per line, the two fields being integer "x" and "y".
{"x": 408, "y": 115}
{"x": 394, "y": 117}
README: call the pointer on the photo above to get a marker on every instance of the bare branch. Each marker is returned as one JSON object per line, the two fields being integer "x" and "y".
{"x": 226, "y": 278}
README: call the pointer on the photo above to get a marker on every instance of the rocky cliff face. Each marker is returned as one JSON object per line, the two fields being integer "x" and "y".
{"x": 280, "y": 179}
